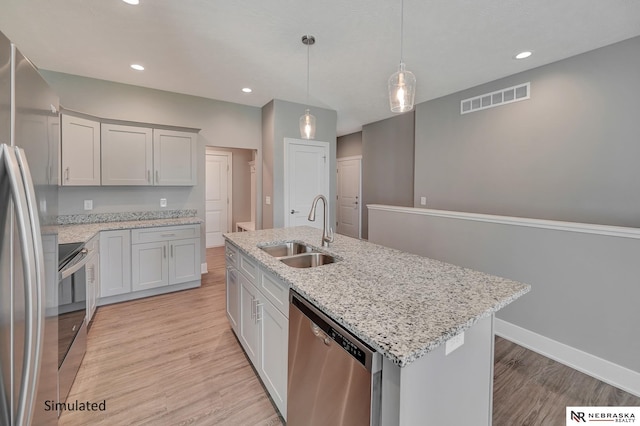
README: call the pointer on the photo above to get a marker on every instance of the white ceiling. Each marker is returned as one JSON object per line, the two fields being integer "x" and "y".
{"x": 213, "y": 48}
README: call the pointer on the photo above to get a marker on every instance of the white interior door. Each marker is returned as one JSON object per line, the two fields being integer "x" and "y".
{"x": 217, "y": 197}
{"x": 306, "y": 175}
{"x": 349, "y": 196}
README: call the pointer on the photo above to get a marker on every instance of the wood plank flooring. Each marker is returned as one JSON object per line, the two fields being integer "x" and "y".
{"x": 173, "y": 360}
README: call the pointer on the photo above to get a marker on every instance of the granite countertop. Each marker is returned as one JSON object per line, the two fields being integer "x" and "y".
{"x": 403, "y": 305}
{"x": 83, "y": 232}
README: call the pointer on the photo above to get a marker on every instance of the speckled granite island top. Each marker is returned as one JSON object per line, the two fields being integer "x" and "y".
{"x": 81, "y": 233}
{"x": 401, "y": 304}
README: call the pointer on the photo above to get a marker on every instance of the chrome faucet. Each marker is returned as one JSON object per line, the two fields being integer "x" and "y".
{"x": 327, "y": 237}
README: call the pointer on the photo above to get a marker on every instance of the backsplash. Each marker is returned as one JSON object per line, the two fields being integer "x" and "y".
{"x": 74, "y": 219}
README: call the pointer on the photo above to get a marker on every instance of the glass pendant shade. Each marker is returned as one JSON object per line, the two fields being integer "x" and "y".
{"x": 307, "y": 125}
{"x": 402, "y": 90}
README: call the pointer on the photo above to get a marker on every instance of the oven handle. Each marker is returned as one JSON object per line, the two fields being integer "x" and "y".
{"x": 66, "y": 273}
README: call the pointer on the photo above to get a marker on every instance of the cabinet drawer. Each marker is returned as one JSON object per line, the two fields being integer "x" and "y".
{"x": 164, "y": 233}
{"x": 231, "y": 253}
{"x": 249, "y": 268}
{"x": 276, "y": 291}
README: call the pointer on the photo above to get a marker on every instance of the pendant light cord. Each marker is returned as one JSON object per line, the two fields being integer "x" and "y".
{"x": 308, "y": 47}
{"x": 401, "y": 30}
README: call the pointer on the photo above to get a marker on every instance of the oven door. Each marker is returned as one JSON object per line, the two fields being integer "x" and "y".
{"x": 72, "y": 330}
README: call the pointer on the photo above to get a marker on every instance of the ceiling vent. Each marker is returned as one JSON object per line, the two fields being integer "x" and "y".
{"x": 489, "y": 100}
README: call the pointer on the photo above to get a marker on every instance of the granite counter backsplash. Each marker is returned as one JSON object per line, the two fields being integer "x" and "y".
{"x": 77, "y": 219}
{"x": 81, "y": 228}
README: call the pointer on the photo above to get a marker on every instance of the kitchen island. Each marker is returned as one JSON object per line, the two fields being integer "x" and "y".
{"x": 406, "y": 307}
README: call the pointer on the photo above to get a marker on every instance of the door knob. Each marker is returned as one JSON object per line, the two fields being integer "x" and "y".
{"x": 294, "y": 211}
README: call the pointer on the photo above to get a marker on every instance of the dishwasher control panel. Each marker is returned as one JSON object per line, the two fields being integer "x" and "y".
{"x": 347, "y": 345}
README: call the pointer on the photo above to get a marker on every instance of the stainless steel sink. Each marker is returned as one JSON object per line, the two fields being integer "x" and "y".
{"x": 308, "y": 260}
{"x": 288, "y": 248}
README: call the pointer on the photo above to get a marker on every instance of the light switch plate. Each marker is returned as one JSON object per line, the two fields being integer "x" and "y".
{"x": 454, "y": 343}
{"x": 88, "y": 204}
{"x": 163, "y": 202}
{"x": 423, "y": 201}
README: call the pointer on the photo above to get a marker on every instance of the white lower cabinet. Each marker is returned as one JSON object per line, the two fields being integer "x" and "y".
{"x": 233, "y": 299}
{"x": 149, "y": 266}
{"x": 184, "y": 260}
{"x": 148, "y": 261}
{"x": 93, "y": 276}
{"x": 261, "y": 325}
{"x": 249, "y": 321}
{"x": 161, "y": 257}
{"x": 115, "y": 262}
{"x": 274, "y": 347}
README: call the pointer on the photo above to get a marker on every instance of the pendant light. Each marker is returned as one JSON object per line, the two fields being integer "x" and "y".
{"x": 307, "y": 120}
{"x": 402, "y": 84}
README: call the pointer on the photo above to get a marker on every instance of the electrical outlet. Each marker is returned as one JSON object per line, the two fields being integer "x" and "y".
{"x": 423, "y": 201}
{"x": 267, "y": 200}
{"x": 88, "y": 204}
{"x": 163, "y": 202}
{"x": 454, "y": 343}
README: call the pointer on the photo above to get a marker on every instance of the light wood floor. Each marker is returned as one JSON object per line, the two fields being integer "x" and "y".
{"x": 173, "y": 360}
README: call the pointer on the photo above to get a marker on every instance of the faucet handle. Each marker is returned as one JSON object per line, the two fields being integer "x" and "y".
{"x": 330, "y": 235}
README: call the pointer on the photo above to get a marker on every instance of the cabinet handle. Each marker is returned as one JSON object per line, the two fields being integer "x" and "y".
{"x": 259, "y": 311}
{"x": 66, "y": 174}
{"x": 168, "y": 235}
{"x": 157, "y": 177}
{"x": 149, "y": 176}
{"x": 164, "y": 251}
{"x": 171, "y": 250}
{"x": 253, "y": 308}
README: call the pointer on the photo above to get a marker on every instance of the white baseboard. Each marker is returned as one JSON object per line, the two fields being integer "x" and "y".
{"x": 606, "y": 371}
{"x": 203, "y": 268}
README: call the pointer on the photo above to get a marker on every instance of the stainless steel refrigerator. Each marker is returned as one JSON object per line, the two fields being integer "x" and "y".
{"x": 29, "y": 129}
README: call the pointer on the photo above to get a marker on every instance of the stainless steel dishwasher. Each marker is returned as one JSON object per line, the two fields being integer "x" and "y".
{"x": 334, "y": 378}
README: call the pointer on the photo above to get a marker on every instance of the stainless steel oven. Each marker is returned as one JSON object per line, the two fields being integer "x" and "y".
{"x": 72, "y": 308}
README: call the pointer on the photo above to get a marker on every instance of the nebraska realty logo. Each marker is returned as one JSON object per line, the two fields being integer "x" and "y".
{"x": 578, "y": 415}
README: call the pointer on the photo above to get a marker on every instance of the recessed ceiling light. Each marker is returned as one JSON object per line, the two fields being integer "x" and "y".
{"x": 134, "y": 2}
{"x": 137, "y": 67}
{"x": 247, "y": 90}
{"x": 523, "y": 55}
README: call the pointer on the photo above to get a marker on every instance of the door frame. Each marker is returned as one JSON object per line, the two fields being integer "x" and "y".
{"x": 338, "y": 160}
{"x": 321, "y": 144}
{"x": 229, "y": 155}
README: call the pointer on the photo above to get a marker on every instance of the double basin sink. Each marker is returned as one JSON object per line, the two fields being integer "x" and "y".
{"x": 298, "y": 254}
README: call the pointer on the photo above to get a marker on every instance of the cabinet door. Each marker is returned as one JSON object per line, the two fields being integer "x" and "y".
{"x": 174, "y": 157}
{"x": 184, "y": 260}
{"x": 115, "y": 262}
{"x": 127, "y": 155}
{"x": 249, "y": 330}
{"x": 80, "y": 151}
{"x": 274, "y": 338}
{"x": 93, "y": 270}
{"x": 233, "y": 298}
{"x": 149, "y": 266}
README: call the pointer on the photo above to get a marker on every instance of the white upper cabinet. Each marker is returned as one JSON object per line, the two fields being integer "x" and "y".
{"x": 127, "y": 155}
{"x": 174, "y": 157}
{"x": 80, "y": 151}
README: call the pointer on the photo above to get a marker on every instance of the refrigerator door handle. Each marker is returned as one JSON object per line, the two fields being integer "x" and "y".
{"x": 32, "y": 350}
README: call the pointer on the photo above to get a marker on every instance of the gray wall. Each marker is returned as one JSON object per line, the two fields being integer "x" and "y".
{"x": 387, "y": 163}
{"x": 281, "y": 120}
{"x": 222, "y": 124}
{"x": 584, "y": 286}
{"x": 569, "y": 153}
{"x": 349, "y": 145}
